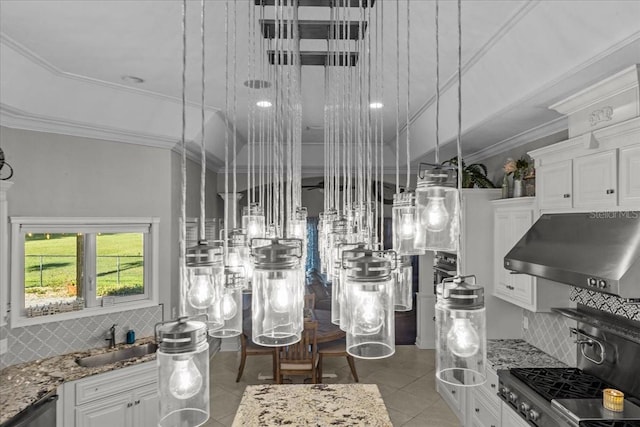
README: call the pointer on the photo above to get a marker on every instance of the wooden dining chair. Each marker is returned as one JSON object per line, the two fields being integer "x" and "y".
{"x": 249, "y": 348}
{"x": 336, "y": 348}
{"x": 310, "y": 301}
{"x": 300, "y": 358}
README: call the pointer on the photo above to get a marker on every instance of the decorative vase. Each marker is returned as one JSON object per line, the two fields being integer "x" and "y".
{"x": 518, "y": 188}
{"x": 505, "y": 187}
{"x": 530, "y": 186}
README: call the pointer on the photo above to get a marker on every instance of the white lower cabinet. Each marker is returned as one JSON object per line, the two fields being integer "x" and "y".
{"x": 455, "y": 396}
{"x": 125, "y": 397}
{"x": 510, "y": 417}
{"x": 483, "y": 404}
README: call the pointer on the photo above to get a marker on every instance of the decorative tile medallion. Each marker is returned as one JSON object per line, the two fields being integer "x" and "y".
{"x": 604, "y": 302}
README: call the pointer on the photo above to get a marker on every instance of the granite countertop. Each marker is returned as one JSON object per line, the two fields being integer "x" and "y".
{"x": 514, "y": 353}
{"x": 24, "y": 384}
{"x": 312, "y": 405}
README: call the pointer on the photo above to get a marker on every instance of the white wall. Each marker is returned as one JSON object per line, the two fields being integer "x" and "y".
{"x": 60, "y": 175}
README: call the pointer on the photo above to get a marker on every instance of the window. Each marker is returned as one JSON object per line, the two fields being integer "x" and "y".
{"x": 73, "y": 267}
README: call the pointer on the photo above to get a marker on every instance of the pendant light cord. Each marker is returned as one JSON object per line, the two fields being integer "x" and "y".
{"x": 203, "y": 157}
{"x": 397, "y": 97}
{"x": 408, "y": 130}
{"x": 235, "y": 109}
{"x": 437, "y": 18}
{"x": 226, "y": 125}
{"x": 183, "y": 167}
{"x": 459, "y": 139}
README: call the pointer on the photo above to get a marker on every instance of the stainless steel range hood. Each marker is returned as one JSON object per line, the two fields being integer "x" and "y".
{"x": 599, "y": 251}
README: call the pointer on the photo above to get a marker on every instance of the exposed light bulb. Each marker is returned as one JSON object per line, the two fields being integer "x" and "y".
{"x": 297, "y": 230}
{"x": 233, "y": 257}
{"x": 368, "y": 315}
{"x": 201, "y": 292}
{"x": 435, "y": 216}
{"x": 407, "y": 226}
{"x": 253, "y": 229}
{"x": 229, "y": 306}
{"x": 280, "y": 299}
{"x": 462, "y": 338}
{"x": 185, "y": 381}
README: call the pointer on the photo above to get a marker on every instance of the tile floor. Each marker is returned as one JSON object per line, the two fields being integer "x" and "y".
{"x": 406, "y": 381}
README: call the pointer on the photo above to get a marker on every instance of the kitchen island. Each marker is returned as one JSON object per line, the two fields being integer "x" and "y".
{"x": 312, "y": 405}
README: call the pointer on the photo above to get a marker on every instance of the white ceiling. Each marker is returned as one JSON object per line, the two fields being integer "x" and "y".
{"x": 62, "y": 63}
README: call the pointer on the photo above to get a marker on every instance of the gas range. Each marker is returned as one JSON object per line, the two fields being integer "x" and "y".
{"x": 561, "y": 397}
{"x": 540, "y": 394}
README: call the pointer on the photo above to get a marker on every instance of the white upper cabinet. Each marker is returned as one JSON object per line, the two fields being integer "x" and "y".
{"x": 512, "y": 219}
{"x": 554, "y": 185}
{"x": 629, "y": 176}
{"x": 596, "y": 180}
{"x": 598, "y": 167}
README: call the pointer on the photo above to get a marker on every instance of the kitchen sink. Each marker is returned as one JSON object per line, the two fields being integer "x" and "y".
{"x": 116, "y": 356}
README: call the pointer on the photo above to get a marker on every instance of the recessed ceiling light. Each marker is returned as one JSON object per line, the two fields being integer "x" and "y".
{"x": 264, "y": 104}
{"x": 132, "y": 79}
{"x": 376, "y": 105}
{"x": 257, "y": 84}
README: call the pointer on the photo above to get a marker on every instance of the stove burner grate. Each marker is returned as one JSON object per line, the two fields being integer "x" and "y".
{"x": 561, "y": 383}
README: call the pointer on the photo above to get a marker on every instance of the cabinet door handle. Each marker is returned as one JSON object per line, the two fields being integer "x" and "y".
{"x": 566, "y": 195}
{"x": 453, "y": 392}
{"x": 611, "y": 191}
{"x": 129, "y": 405}
{"x": 510, "y": 287}
{"x": 137, "y": 402}
{"x": 477, "y": 409}
{"x": 493, "y": 386}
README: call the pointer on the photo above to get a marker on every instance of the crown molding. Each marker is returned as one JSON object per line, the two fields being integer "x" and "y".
{"x": 18, "y": 119}
{"x": 314, "y": 171}
{"x": 539, "y": 132}
{"x": 192, "y": 152}
{"x": 38, "y": 60}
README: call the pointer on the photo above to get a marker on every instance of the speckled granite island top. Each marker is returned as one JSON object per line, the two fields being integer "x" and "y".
{"x": 312, "y": 405}
{"x": 24, "y": 384}
{"x": 513, "y": 353}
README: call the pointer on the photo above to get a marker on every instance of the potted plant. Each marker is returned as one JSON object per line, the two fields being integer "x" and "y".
{"x": 519, "y": 169}
{"x": 473, "y": 175}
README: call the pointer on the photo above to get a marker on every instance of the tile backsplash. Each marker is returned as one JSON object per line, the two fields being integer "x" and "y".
{"x": 50, "y": 339}
{"x": 604, "y": 302}
{"x": 550, "y": 333}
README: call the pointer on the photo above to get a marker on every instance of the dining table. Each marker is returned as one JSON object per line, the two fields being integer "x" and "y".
{"x": 312, "y": 405}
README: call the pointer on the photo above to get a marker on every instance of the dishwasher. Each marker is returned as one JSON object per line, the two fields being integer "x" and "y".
{"x": 41, "y": 414}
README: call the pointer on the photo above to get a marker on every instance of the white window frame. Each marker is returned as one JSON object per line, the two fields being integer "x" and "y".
{"x": 20, "y": 226}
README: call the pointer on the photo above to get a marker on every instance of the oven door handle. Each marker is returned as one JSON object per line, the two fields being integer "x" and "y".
{"x": 589, "y": 340}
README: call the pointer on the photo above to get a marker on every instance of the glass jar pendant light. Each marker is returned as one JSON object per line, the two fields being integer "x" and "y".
{"x": 253, "y": 221}
{"x": 403, "y": 289}
{"x": 339, "y": 306}
{"x": 278, "y": 289}
{"x": 183, "y": 375}
{"x": 437, "y": 208}
{"x": 231, "y": 305}
{"x": 205, "y": 281}
{"x": 404, "y": 224}
{"x": 461, "y": 332}
{"x": 369, "y": 296}
{"x": 298, "y": 229}
{"x": 239, "y": 256}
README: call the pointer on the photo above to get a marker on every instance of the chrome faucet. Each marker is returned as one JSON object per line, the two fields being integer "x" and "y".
{"x": 112, "y": 336}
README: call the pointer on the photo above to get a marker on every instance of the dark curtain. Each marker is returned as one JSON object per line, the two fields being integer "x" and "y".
{"x": 313, "y": 255}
